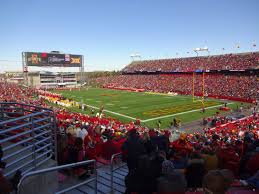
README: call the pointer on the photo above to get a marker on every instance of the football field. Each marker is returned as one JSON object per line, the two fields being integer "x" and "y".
{"x": 148, "y": 107}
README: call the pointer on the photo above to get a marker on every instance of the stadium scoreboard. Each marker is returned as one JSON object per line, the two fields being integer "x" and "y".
{"x": 53, "y": 59}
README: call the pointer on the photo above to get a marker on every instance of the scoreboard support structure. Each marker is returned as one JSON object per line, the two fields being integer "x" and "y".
{"x": 24, "y": 69}
{"x": 81, "y": 70}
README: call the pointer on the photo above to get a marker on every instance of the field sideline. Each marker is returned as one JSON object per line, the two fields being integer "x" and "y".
{"x": 147, "y": 107}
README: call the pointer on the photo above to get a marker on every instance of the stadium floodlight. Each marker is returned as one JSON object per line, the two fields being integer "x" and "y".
{"x": 196, "y": 50}
{"x": 134, "y": 56}
{"x": 137, "y": 55}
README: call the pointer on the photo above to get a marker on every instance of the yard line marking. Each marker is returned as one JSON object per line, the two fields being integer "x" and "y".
{"x": 115, "y": 113}
{"x": 161, "y": 117}
{"x": 109, "y": 104}
{"x": 151, "y": 119}
{"x": 124, "y": 107}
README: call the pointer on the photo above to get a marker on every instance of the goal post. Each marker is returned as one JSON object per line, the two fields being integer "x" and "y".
{"x": 203, "y": 84}
{"x": 197, "y": 50}
{"x": 193, "y": 80}
{"x": 203, "y": 88}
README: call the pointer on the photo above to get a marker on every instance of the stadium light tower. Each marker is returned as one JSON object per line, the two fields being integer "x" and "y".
{"x": 254, "y": 46}
{"x": 134, "y": 56}
{"x": 197, "y": 50}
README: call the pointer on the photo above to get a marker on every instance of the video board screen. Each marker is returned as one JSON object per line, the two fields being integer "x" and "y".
{"x": 53, "y": 59}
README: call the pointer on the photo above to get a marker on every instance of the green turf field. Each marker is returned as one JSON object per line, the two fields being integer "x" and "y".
{"x": 149, "y": 108}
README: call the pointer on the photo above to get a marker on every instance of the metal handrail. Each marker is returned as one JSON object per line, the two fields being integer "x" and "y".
{"x": 16, "y": 144}
{"x": 112, "y": 169}
{"x": 29, "y": 162}
{"x": 25, "y": 133}
{"x": 14, "y": 128}
{"x": 25, "y": 148}
{"x": 56, "y": 168}
{"x": 30, "y": 129}
{"x": 55, "y": 138}
{"x": 22, "y": 117}
{"x": 15, "y": 136}
{"x": 17, "y": 103}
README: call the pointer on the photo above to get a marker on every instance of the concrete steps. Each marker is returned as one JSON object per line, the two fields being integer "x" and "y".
{"x": 50, "y": 179}
{"x": 103, "y": 181}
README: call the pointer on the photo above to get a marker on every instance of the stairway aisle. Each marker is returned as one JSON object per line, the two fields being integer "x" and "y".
{"x": 104, "y": 181}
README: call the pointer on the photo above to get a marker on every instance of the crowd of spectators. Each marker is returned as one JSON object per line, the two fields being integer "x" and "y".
{"x": 229, "y": 152}
{"x": 13, "y": 93}
{"x": 245, "y": 87}
{"x": 156, "y": 161}
{"x": 217, "y": 62}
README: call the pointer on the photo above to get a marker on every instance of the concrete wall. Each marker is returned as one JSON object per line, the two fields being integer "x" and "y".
{"x": 34, "y": 80}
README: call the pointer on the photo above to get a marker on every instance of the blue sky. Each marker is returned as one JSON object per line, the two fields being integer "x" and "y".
{"x": 106, "y": 32}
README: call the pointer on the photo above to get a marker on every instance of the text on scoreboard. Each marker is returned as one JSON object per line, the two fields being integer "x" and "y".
{"x": 53, "y": 59}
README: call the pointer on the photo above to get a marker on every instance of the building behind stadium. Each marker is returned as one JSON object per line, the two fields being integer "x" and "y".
{"x": 44, "y": 79}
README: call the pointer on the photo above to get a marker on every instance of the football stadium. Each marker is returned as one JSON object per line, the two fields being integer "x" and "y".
{"x": 181, "y": 123}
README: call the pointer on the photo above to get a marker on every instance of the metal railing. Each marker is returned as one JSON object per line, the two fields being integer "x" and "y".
{"x": 27, "y": 136}
{"x": 56, "y": 168}
{"x": 112, "y": 169}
